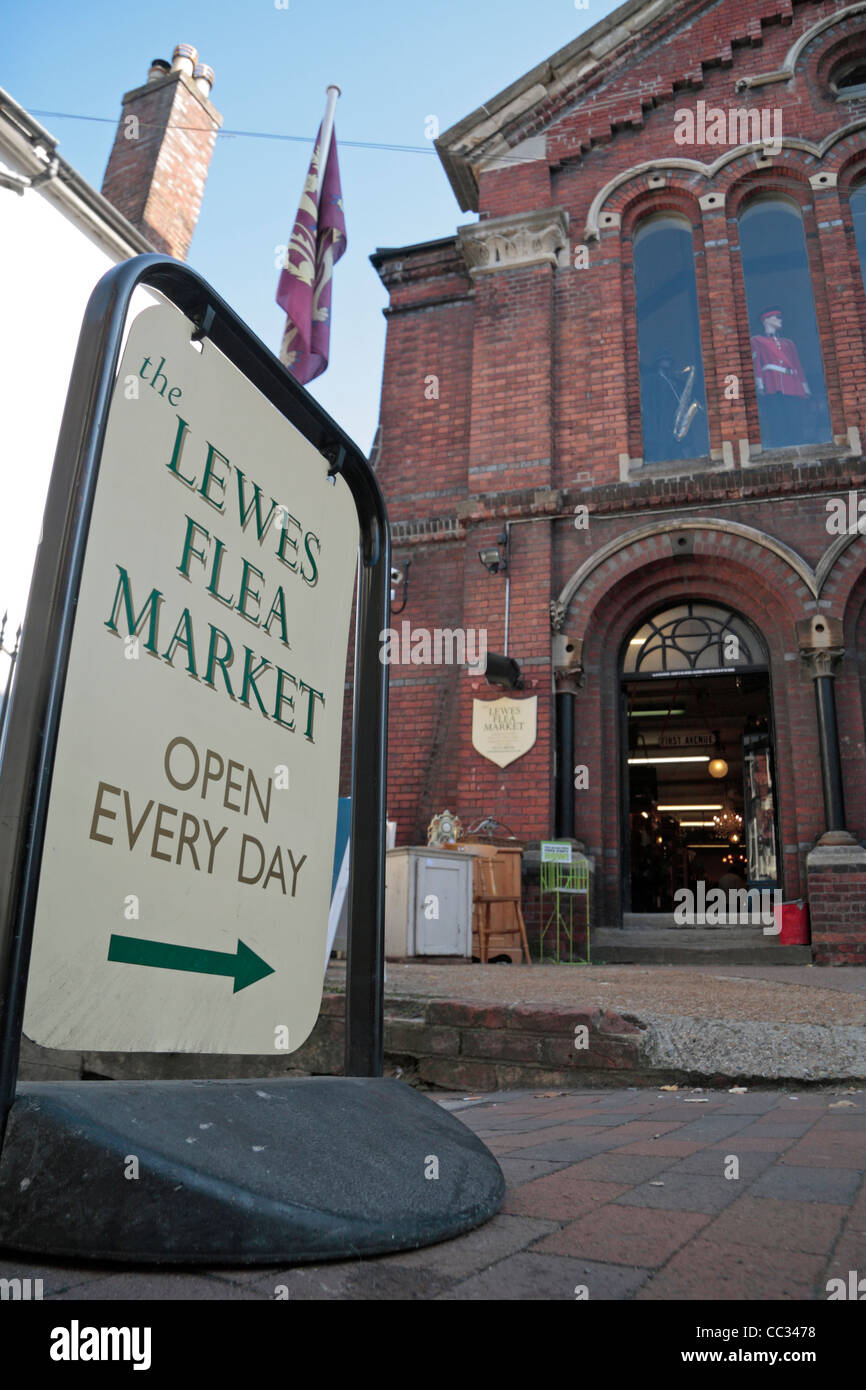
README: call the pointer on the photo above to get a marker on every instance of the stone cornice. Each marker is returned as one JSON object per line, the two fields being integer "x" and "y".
{"x": 482, "y": 134}
{"x": 500, "y": 132}
{"x": 511, "y": 243}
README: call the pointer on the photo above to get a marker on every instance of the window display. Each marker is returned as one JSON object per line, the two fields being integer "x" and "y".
{"x": 673, "y": 396}
{"x": 786, "y": 353}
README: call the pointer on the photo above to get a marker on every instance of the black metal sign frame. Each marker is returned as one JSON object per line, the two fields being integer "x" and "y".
{"x": 31, "y": 729}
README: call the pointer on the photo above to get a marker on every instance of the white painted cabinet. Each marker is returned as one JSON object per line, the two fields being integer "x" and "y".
{"x": 428, "y": 903}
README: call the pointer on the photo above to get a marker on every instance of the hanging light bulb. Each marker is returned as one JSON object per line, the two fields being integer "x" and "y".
{"x": 717, "y": 766}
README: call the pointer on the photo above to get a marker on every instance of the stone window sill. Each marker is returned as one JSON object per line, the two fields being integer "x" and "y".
{"x": 675, "y": 468}
{"x": 684, "y": 468}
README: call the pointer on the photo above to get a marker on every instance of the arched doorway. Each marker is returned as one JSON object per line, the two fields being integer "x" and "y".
{"x": 698, "y": 776}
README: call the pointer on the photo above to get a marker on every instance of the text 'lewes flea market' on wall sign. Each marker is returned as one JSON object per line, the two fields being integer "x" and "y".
{"x": 186, "y": 873}
{"x": 504, "y": 729}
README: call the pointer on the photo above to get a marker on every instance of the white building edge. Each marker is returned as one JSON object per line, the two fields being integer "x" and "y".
{"x": 58, "y": 237}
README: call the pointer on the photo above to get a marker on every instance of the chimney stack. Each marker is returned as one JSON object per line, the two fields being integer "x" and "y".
{"x": 158, "y": 166}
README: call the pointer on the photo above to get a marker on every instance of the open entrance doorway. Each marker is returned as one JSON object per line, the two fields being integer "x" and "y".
{"x": 699, "y": 786}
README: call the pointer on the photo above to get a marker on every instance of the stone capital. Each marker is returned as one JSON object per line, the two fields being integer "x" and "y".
{"x": 569, "y": 682}
{"x": 531, "y": 238}
{"x": 822, "y": 661}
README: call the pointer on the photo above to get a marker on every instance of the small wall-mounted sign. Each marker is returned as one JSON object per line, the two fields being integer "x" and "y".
{"x": 504, "y": 729}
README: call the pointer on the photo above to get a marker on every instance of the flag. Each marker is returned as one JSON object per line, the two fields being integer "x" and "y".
{"x": 317, "y": 242}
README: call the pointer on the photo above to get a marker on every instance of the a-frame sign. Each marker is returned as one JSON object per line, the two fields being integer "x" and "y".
{"x": 168, "y": 796}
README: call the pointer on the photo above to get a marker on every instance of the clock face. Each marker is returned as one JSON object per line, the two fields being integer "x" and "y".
{"x": 446, "y": 827}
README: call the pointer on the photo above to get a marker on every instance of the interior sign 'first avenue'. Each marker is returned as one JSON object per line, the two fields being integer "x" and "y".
{"x": 186, "y": 871}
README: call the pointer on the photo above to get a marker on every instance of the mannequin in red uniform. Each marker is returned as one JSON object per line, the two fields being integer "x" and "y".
{"x": 782, "y": 386}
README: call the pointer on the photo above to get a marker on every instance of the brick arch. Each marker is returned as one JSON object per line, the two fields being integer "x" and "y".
{"x": 850, "y": 604}
{"x": 658, "y": 540}
{"x": 848, "y": 163}
{"x": 640, "y": 204}
{"x": 855, "y": 642}
{"x": 797, "y": 160}
{"x": 750, "y": 185}
{"x": 849, "y": 42}
{"x": 757, "y": 584}
{"x": 839, "y": 572}
{"x": 845, "y": 586}
{"x": 791, "y": 61}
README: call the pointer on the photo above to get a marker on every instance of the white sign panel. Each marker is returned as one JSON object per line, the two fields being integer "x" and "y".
{"x": 186, "y": 875}
{"x": 555, "y": 852}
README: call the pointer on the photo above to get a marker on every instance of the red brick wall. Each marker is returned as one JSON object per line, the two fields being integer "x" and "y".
{"x": 157, "y": 170}
{"x": 539, "y": 401}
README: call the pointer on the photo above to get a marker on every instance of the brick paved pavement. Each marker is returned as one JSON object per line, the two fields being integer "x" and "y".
{"x": 621, "y": 1192}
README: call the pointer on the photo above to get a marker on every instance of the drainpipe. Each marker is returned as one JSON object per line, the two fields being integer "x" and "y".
{"x": 568, "y": 679}
{"x": 821, "y": 651}
{"x": 507, "y": 586}
{"x": 563, "y": 826}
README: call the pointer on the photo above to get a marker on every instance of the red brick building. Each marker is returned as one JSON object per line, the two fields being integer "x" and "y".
{"x": 641, "y": 373}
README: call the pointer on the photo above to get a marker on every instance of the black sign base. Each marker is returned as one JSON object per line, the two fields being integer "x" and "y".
{"x": 237, "y": 1172}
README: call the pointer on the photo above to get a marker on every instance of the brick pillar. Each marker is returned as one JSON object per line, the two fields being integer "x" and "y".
{"x": 837, "y": 903}
{"x": 722, "y": 326}
{"x": 159, "y": 163}
{"x": 836, "y": 867}
{"x": 615, "y": 391}
{"x": 512, "y": 261}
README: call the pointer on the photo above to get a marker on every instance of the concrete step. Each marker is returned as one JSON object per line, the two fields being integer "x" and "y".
{"x": 692, "y": 945}
{"x": 665, "y": 921}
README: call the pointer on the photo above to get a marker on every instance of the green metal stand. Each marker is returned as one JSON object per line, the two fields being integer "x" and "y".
{"x": 565, "y": 882}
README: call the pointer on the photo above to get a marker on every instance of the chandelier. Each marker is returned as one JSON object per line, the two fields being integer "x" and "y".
{"x": 728, "y": 823}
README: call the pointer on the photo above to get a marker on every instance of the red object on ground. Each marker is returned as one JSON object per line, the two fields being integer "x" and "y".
{"x": 795, "y": 924}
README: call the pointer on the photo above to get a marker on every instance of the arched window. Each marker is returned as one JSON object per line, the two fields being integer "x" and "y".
{"x": 693, "y": 637}
{"x": 848, "y": 79}
{"x": 858, "y": 213}
{"x": 672, "y": 394}
{"x": 786, "y": 351}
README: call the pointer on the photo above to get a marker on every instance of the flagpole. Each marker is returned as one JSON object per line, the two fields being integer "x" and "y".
{"x": 328, "y": 128}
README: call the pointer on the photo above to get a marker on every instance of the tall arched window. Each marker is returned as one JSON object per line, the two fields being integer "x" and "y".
{"x": 786, "y": 351}
{"x": 858, "y": 213}
{"x": 672, "y": 394}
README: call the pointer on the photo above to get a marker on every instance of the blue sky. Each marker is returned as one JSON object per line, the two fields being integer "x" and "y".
{"x": 396, "y": 62}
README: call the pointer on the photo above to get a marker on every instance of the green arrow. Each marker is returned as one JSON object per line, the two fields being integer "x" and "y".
{"x": 245, "y": 967}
